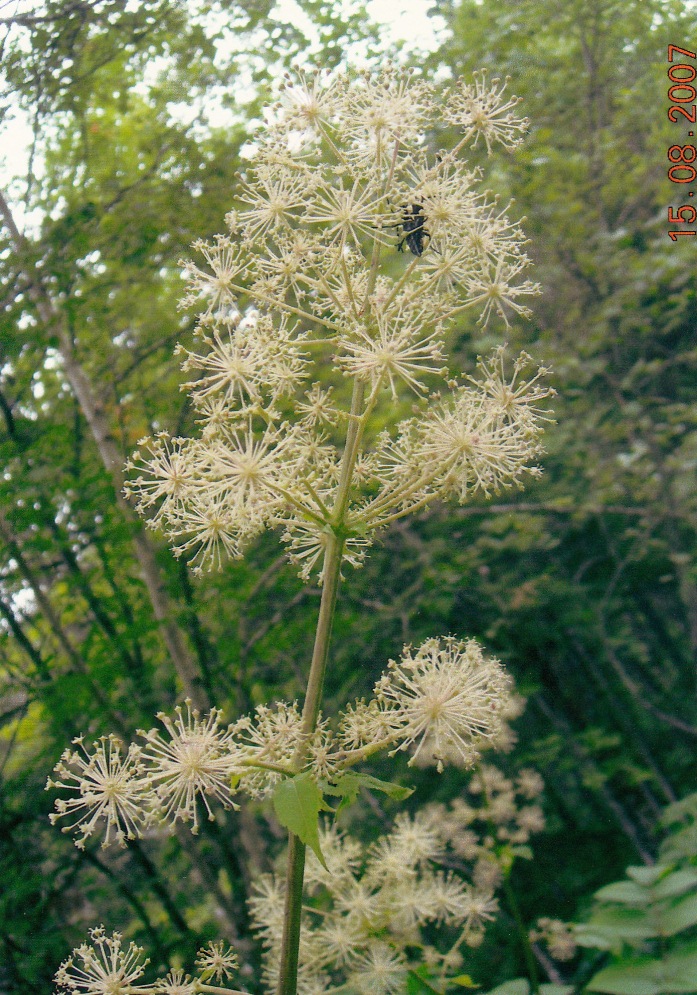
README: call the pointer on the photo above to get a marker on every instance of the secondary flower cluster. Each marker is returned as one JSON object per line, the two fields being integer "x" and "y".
{"x": 106, "y": 967}
{"x": 558, "y": 936}
{"x": 445, "y": 701}
{"x": 491, "y": 825}
{"x": 425, "y": 889}
{"x": 439, "y": 700}
{"x": 352, "y": 248}
{"x": 373, "y": 913}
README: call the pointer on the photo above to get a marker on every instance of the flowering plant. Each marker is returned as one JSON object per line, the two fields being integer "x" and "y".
{"x": 351, "y": 250}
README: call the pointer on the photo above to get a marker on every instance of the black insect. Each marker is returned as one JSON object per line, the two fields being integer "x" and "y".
{"x": 415, "y": 236}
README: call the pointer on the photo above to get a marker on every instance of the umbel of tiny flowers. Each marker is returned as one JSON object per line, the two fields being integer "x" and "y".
{"x": 105, "y": 967}
{"x": 308, "y": 283}
{"x": 557, "y": 935}
{"x": 445, "y": 702}
{"x": 420, "y": 895}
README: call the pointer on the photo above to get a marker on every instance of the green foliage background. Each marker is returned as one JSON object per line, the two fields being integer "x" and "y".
{"x": 585, "y": 585}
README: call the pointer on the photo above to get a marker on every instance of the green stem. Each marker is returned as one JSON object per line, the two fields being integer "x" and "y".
{"x": 219, "y": 991}
{"x": 456, "y": 946}
{"x": 295, "y": 872}
{"x": 352, "y": 757}
{"x": 266, "y": 765}
{"x": 295, "y": 868}
{"x": 317, "y": 499}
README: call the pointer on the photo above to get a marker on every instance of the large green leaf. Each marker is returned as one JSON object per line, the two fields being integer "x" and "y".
{"x": 675, "y": 974}
{"x": 519, "y": 986}
{"x": 676, "y": 883}
{"x": 621, "y": 923}
{"x": 624, "y": 979}
{"x": 680, "y": 970}
{"x": 681, "y": 915}
{"x": 627, "y": 892}
{"x": 297, "y": 802}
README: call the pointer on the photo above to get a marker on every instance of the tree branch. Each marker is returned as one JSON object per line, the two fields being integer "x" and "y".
{"x": 112, "y": 459}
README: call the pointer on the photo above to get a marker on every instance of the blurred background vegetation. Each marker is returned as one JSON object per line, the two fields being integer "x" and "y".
{"x": 585, "y": 585}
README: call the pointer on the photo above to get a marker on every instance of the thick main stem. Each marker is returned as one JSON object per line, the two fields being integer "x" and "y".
{"x": 295, "y": 868}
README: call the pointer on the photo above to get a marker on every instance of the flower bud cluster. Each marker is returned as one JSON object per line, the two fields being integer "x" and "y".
{"x": 352, "y": 248}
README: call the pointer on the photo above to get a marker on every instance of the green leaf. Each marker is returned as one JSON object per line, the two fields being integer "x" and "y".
{"x": 519, "y": 986}
{"x": 676, "y": 883}
{"x": 646, "y": 875}
{"x": 680, "y": 970}
{"x": 556, "y": 989}
{"x": 624, "y": 979}
{"x": 418, "y": 983}
{"x": 397, "y": 792}
{"x": 587, "y": 936}
{"x": 681, "y": 915}
{"x": 627, "y": 892}
{"x": 297, "y": 802}
{"x": 346, "y": 788}
{"x": 620, "y": 923}
{"x": 349, "y": 784}
{"x": 675, "y": 973}
{"x": 463, "y": 980}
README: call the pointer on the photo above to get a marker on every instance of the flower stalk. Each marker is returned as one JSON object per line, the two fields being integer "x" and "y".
{"x": 288, "y": 969}
{"x": 331, "y": 573}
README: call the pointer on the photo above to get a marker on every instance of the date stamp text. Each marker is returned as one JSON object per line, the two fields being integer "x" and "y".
{"x": 681, "y": 95}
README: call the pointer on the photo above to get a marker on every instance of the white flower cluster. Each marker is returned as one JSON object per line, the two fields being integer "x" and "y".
{"x": 366, "y": 911}
{"x": 105, "y": 967}
{"x": 352, "y": 248}
{"x": 377, "y": 912}
{"x": 446, "y": 701}
{"x": 162, "y": 781}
